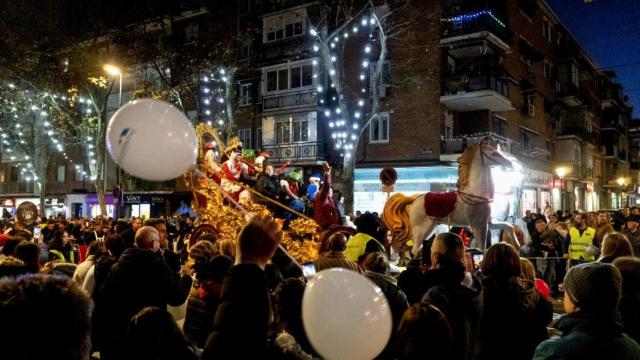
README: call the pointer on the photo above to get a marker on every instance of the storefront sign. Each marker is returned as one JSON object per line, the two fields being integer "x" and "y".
{"x": 8, "y": 202}
{"x": 535, "y": 178}
{"x": 54, "y": 202}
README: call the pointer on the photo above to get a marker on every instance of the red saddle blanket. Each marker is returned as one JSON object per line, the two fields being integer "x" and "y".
{"x": 440, "y": 205}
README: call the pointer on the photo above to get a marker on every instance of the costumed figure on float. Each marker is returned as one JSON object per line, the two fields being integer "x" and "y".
{"x": 235, "y": 170}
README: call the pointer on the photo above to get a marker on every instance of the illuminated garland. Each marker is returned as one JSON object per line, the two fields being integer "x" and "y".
{"x": 473, "y": 16}
{"x": 214, "y": 95}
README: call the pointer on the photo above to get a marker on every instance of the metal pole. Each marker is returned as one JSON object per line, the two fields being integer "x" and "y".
{"x": 562, "y": 196}
{"x": 119, "y": 106}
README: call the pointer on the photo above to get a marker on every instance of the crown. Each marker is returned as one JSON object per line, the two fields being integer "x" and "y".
{"x": 233, "y": 144}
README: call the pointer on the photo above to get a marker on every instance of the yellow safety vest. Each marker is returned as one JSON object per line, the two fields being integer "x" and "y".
{"x": 578, "y": 245}
{"x": 356, "y": 246}
{"x": 61, "y": 256}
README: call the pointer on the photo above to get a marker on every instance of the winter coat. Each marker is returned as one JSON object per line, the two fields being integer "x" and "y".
{"x": 335, "y": 259}
{"x": 630, "y": 310}
{"x": 634, "y": 238}
{"x": 587, "y": 337}
{"x": 513, "y": 320}
{"x": 139, "y": 279}
{"x": 410, "y": 282}
{"x": 241, "y": 324}
{"x": 198, "y": 323}
{"x": 266, "y": 186}
{"x": 83, "y": 268}
{"x": 460, "y": 304}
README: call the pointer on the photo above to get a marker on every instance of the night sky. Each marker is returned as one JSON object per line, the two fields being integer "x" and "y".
{"x": 610, "y": 32}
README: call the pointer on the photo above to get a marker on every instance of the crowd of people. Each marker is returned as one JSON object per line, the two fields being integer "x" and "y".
{"x": 112, "y": 289}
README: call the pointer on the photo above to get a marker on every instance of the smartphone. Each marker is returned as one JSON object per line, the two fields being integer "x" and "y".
{"x": 477, "y": 260}
{"x": 308, "y": 269}
{"x": 37, "y": 231}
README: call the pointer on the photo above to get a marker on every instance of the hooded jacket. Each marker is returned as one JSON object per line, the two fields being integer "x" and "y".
{"x": 513, "y": 320}
{"x": 460, "y": 304}
{"x": 585, "y": 336}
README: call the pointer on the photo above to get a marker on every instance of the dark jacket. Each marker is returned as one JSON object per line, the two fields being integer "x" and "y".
{"x": 266, "y": 186}
{"x": 586, "y": 337}
{"x": 139, "y": 279}
{"x": 551, "y": 242}
{"x": 198, "y": 323}
{"x": 630, "y": 311}
{"x": 634, "y": 238}
{"x": 410, "y": 282}
{"x": 460, "y": 304}
{"x": 513, "y": 320}
{"x": 241, "y": 324}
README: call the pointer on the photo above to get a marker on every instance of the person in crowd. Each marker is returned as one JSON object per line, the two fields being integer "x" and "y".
{"x": 453, "y": 291}
{"x": 410, "y": 280}
{"x": 592, "y": 220}
{"x": 12, "y": 267}
{"x": 11, "y": 244}
{"x": 226, "y": 247}
{"x": 367, "y": 226}
{"x": 289, "y": 196}
{"x": 130, "y": 234}
{"x": 172, "y": 259}
{"x": 632, "y": 232}
{"x": 29, "y": 253}
{"x": 335, "y": 256}
{"x": 635, "y": 211}
{"x": 26, "y": 305}
{"x": 201, "y": 308}
{"x": 590, "y": 329}
{"x": 581, "y": 242}
{"x": 241, "y": 324}
{"x": 83, "y": 268}
{"x": 338, "y": 200}
{"x": 510, "y": 307}
{"x": 153, "y": 334}
{"x": 603, "y": 228}
{"x": 424, "y": 333}
{"x": 324, "y": 207}
{"x": 314, "y": 186}
{"x": 629, "y": 307}
{"x": 138, "y": 279}
{"x": 112, "y": 247}
{"x": 60, "y": 248}
{"x": 202, "y": 252}
{"x": 376, "y": 268}
{"x": 550, "y": 245}
{"x": 290, "y": 338}
{"x": 18, "y": 230}
{"x": 48, "y": 230}
{"x": 529, "y": 275}
{"x": 615, "y": 245}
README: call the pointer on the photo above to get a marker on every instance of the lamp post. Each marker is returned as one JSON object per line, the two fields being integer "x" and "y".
{"x": 561, "y": 172}
{"x": 113, "y": 71}
{"x": 620, "y": 182}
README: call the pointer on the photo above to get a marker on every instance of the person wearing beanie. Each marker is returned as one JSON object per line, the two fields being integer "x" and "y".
{"x": 314, "y": 186}
{"x": 591, "y": 328}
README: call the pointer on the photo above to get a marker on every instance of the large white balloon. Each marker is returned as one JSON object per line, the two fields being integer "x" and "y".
{"x": 345, "y": 315}
{"x": 152, "y": 140}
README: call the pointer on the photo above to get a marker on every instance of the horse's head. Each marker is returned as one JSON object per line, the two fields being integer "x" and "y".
{"x": 491, "y": 156}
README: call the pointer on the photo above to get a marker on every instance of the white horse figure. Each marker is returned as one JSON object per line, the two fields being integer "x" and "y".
{"x": 407, "y": 217}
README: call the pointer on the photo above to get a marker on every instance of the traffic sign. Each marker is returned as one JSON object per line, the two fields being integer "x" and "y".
{"x": 388, "y": 176}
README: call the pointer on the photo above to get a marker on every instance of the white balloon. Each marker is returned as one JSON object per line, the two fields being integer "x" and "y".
{"x": 345, "y": 315}
{"x": 152, "y": 140}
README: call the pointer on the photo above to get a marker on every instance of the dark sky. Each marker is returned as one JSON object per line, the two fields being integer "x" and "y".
{"x": 610, "y": 32}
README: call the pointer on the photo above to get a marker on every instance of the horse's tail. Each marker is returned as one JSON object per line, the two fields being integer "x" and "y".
{"x": 396, "y": 216}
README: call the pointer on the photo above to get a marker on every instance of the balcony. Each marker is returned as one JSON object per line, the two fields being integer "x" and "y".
{"x": 570, "y": 94}
{"x": 463, "y": 93}
{"x": 275, "y": 51}
{"x": 579, "y": 132}
{"x": 17, "y": 187}
{"x": 298, "y": 152}
{"x": 288, "y": 101}
{"x": 451, "y": 148}
{"x": 133, "y": 184}
{"x": 473, "y": 35}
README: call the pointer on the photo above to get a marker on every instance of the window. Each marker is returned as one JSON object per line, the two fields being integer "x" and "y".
{"x": 527, "y": 139}
{"x": 191, "y": 33}
{"x": 295, "y": 77}
{"x": 548, "y": 69}
{"x": 245, "y": 137}
{"x": 284, "y": 25}
{"x": 246, "y": 48}
{"x": 500, "y": 126}
{"x": 78, "y": 174}
{"x": 292, "y": 129}
{"x": 246, "y": 97}
{"x": 547, "y": 29}
{"x": 379, "y": 129}
{"x": 558, "y": 39}
{"x": 61, "y": 173}
{"x": 259, "y": 138}
{"x": 575, "y": 75}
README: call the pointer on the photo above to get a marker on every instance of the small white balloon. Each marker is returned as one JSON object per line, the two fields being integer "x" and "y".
{"x": 345, "y": 315}
{"x": 152, "y": 139}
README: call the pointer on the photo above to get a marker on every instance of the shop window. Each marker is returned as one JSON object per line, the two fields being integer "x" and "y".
{"x": 60, "y": 175}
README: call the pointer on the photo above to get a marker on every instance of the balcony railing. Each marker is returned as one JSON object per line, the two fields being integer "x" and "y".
{"x": 132, "y": 184}
{"x": 459, "y": 144}
{"x": 309, "y": 151}
{"x": 465, "y": 84}
{"x": 484, "y": 92}
{"x": 570, "y": 94}
{"x": 17, "y": 187}
{"x": 578, "y": 131}
{"x": 288, "y": 100}
{"x": 483, "y": 20}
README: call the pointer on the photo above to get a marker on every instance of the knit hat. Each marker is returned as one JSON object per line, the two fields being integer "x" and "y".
{"x": 315, "y": 177}
{"x": 632, "y": 218}
{"x": 594, "y": 286}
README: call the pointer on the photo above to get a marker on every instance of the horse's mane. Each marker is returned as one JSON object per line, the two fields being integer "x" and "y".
{"x": 465, "y": 165}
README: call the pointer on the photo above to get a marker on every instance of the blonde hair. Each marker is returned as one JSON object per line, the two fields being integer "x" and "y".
{"x": 528, "y": 270}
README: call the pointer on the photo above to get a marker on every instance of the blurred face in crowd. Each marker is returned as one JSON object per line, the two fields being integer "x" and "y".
{"x": 602, "y": 218}
{"x": 162, "y": 231}
{"x": 136, "y": 224}
{"x": 635, "y": 211}
{"x": 553, "y": 219}
{"x": 625, "y": 212}
{"x": 632, "y": 225}
{"x": 580, "y": 220}
{"x": 269, "y": 170}
{"x": 65, "y": 238}
{"x": 51, "y": 226}
{"x": 540, "y": 226}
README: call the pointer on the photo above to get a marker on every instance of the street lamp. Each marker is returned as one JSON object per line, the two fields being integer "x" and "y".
{"x": 561, "y": 172}
{"x": 620, "y": 182}
{"x": 113, "y": 71}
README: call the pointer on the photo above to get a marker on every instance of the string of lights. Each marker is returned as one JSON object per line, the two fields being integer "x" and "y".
{"x": 473, "y": 16}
